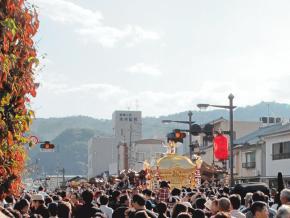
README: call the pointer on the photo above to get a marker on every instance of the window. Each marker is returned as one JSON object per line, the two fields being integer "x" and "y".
{"x": 271, "y": 119}
{"x": 250, "y": 157}
{"x": 135, "y": 119}
{"x": 281, "y": 150}
{"x": 250, "y": 160}
{"x": 130, "y": 119}
{"x": 121, "y": 119}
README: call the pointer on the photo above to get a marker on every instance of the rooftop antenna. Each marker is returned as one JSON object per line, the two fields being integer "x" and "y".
{"x": 268, "y": 107}
{"x": 137, "y": 104}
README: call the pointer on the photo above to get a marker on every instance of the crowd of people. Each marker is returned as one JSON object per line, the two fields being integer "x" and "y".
{"x": 109, "y": 202}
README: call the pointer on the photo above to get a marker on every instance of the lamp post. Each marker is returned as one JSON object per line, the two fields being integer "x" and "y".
{"x": 231, "y": 108}
{"x": 189, "y": 122}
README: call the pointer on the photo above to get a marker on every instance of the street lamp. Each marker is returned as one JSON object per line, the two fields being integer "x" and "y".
{"x": 231, "y": 108}
{"x": 189, "y": 122}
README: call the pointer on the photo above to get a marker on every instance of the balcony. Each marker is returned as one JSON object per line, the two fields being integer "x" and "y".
{"x": 281, "y": 156}
{"x": 249, "y": 165}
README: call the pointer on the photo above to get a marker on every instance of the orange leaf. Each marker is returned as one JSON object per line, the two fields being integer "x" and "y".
{"x": 10, "y": 138}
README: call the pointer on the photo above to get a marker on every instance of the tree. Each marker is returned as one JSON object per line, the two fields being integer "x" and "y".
{"x": 18, "y": 61}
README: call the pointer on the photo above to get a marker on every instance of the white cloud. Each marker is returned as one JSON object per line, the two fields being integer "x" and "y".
{"x": 90, "y": 26}
{"x": 144, "y": 69}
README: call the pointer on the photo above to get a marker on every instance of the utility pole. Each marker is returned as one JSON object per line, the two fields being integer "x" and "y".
{"x": 191, "y": 148}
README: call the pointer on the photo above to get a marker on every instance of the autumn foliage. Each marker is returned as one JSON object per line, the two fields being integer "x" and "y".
{"x": 18, "y": 59}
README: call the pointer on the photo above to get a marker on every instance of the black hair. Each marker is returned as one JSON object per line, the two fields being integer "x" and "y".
{"x": 87, "y": 196}
{"x": 147, "y": 192}
{"x": 176, "y": 192}
{"x": 258, "y": 196}
{"x": 257, "y": 206}
{"x": 104, "y": 199}
{"x": 52, "y": 209}
{"x": 21, "y": 204}
{"x": 235, "y": 201}
{"x": 139, "y": 199}
{"x": 199, "y": 203}
{"x": 161, "y": 207}
{"x": 123, "y": 199}
{"x": 198, "y": 213}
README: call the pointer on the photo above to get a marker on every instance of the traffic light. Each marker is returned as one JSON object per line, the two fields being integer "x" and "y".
{"x": 47, "y": 145}
{"x": 176, "y": 136}
{"x": 208, "y": 129}
{"x": 195, "y": 129}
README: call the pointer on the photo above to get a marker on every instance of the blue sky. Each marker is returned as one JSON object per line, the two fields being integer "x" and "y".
{"x": 162, "y": 56}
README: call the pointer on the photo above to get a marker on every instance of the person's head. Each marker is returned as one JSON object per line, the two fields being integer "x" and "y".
{"x": 224, "y": 205}
{"x": 22, "y": 206}
{"x": 37, "y": 200}
{"x": 259, "y": 209}
{"x": 125, "y": 200}
{"x": 198, "y": 213}
{"x": 184, "y": 215}
{"x": 222, "y": 215}
{"x": 177, "y": 209}
{"x": 147, "y": 193}
{"x": 48, "y": 200}
{"x": 199, "y": 203}
{"x": 285, "y": 196}
{"x": 40, "y": 188}
{"x": 87, "y": 196}
{"x": 138, "y": 201}
{"x": 164, "y": 184}
{"x": 116, "y": 195}
{"x": 235, "y": 200}
{"x": 104, "y": 199}
{"x": 52, "y": 209}
{"x": 161, "y": 207}
{"x": 258, "y": 196}
{"x": 214, "y": 208}
{"x": 283, "y": 212}
{"x": 10, "y": 199}
{"x": 176, "y": 192}
{"x": 64, "y": 210}
{"x": 248, "y": 199}
{"x": 74, "y": 197}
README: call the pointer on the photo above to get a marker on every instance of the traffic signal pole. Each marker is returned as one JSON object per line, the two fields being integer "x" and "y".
{"x": 191, "y": 148}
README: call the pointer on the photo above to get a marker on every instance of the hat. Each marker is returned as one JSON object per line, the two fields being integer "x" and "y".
{"x": 37, "y": 197}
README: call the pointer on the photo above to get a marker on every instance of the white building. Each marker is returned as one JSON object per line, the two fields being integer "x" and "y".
{"x": 127, "y": 125}
{"x": 146, "y": 149}
{"x": 111, "y": 153}
{"x": 102, "y": 155}
{"x": 241, "y": 128}
{"x": 260, "y": 155}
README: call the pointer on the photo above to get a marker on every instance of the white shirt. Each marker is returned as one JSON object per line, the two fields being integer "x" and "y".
{"x": 107, "y": 210}
{"x": 237, "y": 214}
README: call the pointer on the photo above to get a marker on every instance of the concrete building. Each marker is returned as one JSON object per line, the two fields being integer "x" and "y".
{"x": 127, "y": 126}
{"x": 205, "y": 148}
{"x": 146, "y": 149}
{"x": 111, "y": 153}
{"x": 260, "y": 155}
{"x": 102, "y": 155}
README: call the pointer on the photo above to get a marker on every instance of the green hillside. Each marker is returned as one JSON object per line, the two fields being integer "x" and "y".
{"x": 71, "y": 134}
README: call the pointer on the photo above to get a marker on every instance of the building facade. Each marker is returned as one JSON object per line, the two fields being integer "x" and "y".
{"x": 127, "y": 125}
{"x": 146, "y": 150}
{"x": 102, "y": 155}
{"x": 205, "y": 148}
{"x": 260, "y": 155}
